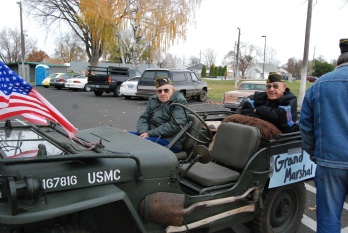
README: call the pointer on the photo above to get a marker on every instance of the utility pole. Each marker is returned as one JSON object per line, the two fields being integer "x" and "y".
{"x": 305, "y": 55}
{"x": 22, "y": 42}
{"x": 264, "y": 59}
{"x": 237, "y": 61}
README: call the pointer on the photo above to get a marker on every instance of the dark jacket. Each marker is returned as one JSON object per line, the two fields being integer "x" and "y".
{"x": 157, "y": 121}
{"x": 281, "y": 112}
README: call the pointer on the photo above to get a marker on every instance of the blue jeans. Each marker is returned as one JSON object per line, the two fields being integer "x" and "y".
{"x": 160, "y": 141}
{"x": 332, "y": 186}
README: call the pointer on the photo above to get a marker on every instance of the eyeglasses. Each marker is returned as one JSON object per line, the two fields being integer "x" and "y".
{"x": 159, "y": 91}
{"x": 275, "y": 86}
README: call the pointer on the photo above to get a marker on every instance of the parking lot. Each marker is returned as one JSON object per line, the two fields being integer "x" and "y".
{"x": 85, "y": 110}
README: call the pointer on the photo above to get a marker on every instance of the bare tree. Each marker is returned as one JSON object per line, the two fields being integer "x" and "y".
{"x": 193, "y": 61}
{"x": 10, "y": 45}
{"x": 92, "y": 21}
{"x": 69, "y": 47}
{"x": 248, "y": 53}
{"x": 209, "y": 56}
{"x": 294, "y": 67}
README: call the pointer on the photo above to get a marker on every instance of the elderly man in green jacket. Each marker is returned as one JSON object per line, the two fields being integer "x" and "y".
{"x": 156, "y": 123}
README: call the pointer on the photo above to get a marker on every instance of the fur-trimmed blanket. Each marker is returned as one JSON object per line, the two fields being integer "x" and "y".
{"x": 268, "y": 130}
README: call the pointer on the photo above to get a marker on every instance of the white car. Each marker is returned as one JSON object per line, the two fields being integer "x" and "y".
{"x": 77, "y": 83}
{"x": 129, "y": 87}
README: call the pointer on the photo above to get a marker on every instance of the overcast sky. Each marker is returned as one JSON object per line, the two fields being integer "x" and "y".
{"x": 283, "y": 23}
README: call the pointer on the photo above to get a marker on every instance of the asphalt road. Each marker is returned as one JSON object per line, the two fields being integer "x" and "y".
{"x": 85, "y": 110}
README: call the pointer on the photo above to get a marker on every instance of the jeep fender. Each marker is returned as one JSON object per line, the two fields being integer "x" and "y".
{"x": 59, "y": 204}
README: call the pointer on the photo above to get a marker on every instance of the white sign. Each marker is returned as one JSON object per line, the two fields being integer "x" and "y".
{"x": 290, "y": 168}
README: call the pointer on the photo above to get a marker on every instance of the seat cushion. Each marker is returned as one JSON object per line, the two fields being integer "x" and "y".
{"x": 210, "y": 174}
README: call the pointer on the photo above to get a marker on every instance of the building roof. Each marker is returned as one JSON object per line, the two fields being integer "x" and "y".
{"x": 198, "y": 66}
{"x": 38, "y": 63}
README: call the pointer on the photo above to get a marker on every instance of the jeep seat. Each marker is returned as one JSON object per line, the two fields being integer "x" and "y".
{"x": 189, "y": 142}
{"x": 234, "y": 145}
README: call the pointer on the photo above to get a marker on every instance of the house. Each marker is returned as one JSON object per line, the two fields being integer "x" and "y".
{"x": 197, "y": 68}
{"x": 30, "y": 69}
{"x": 255, "y": 72}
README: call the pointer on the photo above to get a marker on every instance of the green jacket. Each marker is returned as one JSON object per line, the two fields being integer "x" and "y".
{"x": 157, "y": 122}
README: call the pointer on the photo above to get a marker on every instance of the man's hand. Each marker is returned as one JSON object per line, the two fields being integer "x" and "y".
{"x": 144, "y": 135}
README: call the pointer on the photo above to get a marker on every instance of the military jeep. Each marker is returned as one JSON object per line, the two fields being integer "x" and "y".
{"x": 108, "y": 180}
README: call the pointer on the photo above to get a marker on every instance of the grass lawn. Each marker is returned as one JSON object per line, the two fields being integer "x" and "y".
{"x": 217, "y": 88}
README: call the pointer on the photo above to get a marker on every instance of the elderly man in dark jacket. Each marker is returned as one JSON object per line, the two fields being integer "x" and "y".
{"x": 278, "y": 105}
{"x": 156, "y": 123}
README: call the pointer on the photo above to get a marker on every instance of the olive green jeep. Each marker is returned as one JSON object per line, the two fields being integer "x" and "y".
{"x": 108, "y": 180}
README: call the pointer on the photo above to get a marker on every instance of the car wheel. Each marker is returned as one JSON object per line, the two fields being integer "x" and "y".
{"x": 283, "y": 209}
{"x": 59, "y": 88}
{"x": 127, "y": 97}
{"x": 117, "y": 90}
{"x": 45, "y": 86}
{"x": 203, "y": 96}
{"x": 86, "y": 88}
{"x": 98, "y": 93}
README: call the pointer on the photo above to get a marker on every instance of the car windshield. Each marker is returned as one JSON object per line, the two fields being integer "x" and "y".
{"x": 252, "y": 86}
{"x": 24, "y": 143}
{"x": 134, "y": 79}
{"x": 52, "y": 75}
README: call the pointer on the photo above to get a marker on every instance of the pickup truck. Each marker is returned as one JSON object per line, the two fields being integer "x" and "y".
{"x": 109, "y": 79}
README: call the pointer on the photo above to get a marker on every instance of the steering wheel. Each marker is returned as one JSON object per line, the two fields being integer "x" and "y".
{"x": 208, "y": 137}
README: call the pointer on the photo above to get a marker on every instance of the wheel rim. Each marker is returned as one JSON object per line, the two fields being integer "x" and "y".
{"x": 283, "y": 211}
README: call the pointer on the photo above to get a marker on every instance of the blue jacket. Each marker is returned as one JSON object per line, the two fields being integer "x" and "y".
{"x": 324, "y": 119}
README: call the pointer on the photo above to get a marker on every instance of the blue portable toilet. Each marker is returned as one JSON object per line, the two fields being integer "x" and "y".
{"x": 41, "y": 72}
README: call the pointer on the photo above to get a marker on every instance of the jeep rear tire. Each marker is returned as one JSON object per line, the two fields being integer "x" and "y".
{"x": 283, "y": 209}
{"x": 98, "y": 93}
{"x": 203, "y": 96}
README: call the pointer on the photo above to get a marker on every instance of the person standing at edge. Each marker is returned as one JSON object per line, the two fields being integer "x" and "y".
{"x": 156, "y": 123}
{"x": 278, "y": 105}
{"x": 323, "y": 126}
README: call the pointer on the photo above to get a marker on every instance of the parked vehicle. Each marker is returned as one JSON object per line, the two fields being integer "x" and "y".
{"x": 109, "y": 79}
{"x": 46, "y": 82}
{"x": 311, "y": 79}
{"x": 77, "y": 83}
{"x": 123, "y": 183}
{"x": 232, "y": 99}
{"x": 129, "y": 87}
{"x": 60, "y": 80}
{"x": 184, "y": 81}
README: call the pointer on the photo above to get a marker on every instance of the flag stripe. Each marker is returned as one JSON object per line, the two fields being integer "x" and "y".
{"x": 17, "y": 97}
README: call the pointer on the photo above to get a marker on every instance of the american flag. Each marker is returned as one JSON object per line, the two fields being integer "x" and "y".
{"x": 17, "y": 97}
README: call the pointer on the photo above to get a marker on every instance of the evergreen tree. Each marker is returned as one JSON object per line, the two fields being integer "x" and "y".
{"x": 220, "y": 73}
{"x": 204, "y": 71}
{"x": 216, "y": 71}
{"x": 321, "y": 68}
{"x": 224, "y": 71}
{"x": 212, "y": 70}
